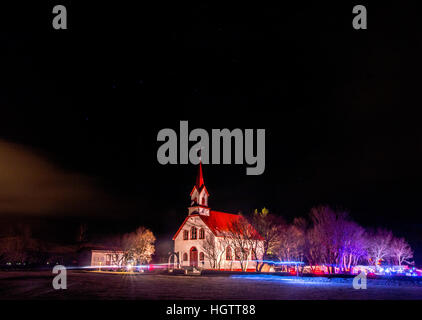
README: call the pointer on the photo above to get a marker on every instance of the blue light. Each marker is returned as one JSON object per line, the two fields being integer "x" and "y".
{"x": 290, "y": 280}
{"x": 279, "y": 262}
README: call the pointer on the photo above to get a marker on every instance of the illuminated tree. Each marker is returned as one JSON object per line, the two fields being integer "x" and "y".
{"x": 400, "y": 251}
{"x": 291, "y": 241}
{"x": 326, "y": 234}
{"x": 241, "y": 236}
{"x": 354, "y": 245}
{"x": 379, "y": 246}
{"x": 138, "y": 245}
{"x": 334, "y": 240}
{"x": 213, "y": 250}
{"x": 268, "y": 227}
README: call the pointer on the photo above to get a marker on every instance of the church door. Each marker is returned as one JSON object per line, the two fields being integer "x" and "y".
{"x": 193, "y": 257}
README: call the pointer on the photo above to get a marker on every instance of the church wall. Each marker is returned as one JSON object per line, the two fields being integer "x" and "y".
{"x": 183, "y": 246}
{"x": 234, "y": 264}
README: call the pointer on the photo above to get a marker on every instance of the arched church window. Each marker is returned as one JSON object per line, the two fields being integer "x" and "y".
{"x": 203, "y": 201}
{"x": 193, "y": 233}
{"x": 201, "y": 256}
{"x": 185, "y": 257}
{"x": 201, "y": 233}
{"x": 185, "y": 234}
{"x": 228, "y": 253}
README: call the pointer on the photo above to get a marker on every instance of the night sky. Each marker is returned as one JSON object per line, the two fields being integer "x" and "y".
{"x": 81, "y": 109}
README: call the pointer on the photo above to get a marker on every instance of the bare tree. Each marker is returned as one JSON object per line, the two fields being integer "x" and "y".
{"x": 298, "y": 232}
{"x": 291, "y": 241}
{"x": 379, "y": 246}
{"x": 358, "y": 247}
{"x": 400, "y": 251}
{"x": 313, "y": 248}
{"x": 214, "y": 250}
{"x": 334, "y": 240}
{"x": 265, "y": 238}
{"x": 353, "y": 245}
{"x": 326, "y": 234}
{"x": 240, "y": 235}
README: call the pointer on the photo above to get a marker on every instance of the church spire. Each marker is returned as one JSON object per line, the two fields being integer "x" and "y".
{"x": 199, "y": 177}
{"x": 199, "y": 195}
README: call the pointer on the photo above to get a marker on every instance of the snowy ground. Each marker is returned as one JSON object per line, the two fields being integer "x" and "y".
{"x": 88, "y": 285}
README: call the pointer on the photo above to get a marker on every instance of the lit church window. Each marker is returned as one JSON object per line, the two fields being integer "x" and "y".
{"x": 228, "y": 253}
{"x": 185, "y": 235}
{"x": 193, "y": 233}
{"x": 201, "y": 256}
{"x": 201, "y": 233}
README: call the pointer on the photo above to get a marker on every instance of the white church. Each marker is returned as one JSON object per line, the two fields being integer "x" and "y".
{"x": 207, "y": 239}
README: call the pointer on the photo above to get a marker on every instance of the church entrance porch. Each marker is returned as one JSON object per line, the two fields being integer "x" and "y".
{"x": 193, "y": 257}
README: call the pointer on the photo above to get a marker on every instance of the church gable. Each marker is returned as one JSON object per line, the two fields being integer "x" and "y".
{"x": 199, "y": 196}
{"x": 188, "y": 223}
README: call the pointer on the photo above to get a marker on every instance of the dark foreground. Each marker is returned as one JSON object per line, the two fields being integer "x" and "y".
{"x": 88, "y": 285}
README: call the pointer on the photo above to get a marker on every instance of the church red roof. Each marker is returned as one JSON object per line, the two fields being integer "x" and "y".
{"x": 219, "y": 222}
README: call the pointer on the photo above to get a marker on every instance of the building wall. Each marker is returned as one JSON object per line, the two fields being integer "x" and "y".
{"x": 184, "y": 246}
{"x": 104, "y": 257}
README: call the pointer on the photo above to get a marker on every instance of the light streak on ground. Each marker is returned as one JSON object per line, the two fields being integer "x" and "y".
{"x": 284, "y": 279}
{"x": 133, "y": 267}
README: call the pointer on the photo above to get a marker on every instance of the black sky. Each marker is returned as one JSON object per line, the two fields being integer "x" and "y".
{"x": 340, "y": 107}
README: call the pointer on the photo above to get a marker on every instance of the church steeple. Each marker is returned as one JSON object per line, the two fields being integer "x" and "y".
{"x": 199, "y": 195}
{"x": 200, "y": 177}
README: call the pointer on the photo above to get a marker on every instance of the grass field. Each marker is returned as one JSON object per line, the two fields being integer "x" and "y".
{"x": 97, "y": 285}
